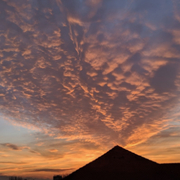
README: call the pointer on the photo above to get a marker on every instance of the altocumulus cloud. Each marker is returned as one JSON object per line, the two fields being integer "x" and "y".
{"x": 101, "y": 71}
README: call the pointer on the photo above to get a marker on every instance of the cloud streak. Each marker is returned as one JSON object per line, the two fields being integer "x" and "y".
{"x": 50, "y": 170}
{"x": 13, "y": 146}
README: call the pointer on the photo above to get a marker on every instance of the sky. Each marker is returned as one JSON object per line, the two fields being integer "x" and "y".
{"x": 78, "y": 77}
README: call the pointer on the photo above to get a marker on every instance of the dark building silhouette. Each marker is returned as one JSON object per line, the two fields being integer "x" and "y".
{"x": 119, "y": 163}
{"x": 58, "y": 177}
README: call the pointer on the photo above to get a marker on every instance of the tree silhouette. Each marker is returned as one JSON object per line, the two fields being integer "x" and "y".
{"x": 58, "y": 177}
{"x": 15, "y": 178}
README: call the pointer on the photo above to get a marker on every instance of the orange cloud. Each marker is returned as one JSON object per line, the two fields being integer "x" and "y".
{"x": 53, "y": 150}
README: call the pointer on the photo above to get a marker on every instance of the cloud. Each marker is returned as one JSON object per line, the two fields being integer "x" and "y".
{"x": 98, "y": 72}
{"x": 161, "y": 146}
{"x": 53, "y": 150}
{"x": 50, "y": 170}
{"x": 39, "y": 144}
{"x": 160, "y": 83}
{"x": 13, "y": 146}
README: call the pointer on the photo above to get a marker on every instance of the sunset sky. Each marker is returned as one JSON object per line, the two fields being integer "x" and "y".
{"x": 78, "y": 77}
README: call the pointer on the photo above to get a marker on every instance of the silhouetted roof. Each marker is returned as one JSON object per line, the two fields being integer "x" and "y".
{"x": 119, "y": 163}
{"x": 116, "y": 163}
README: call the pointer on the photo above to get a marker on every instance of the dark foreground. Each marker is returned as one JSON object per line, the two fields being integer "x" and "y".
{"x": 120, "y": 164}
